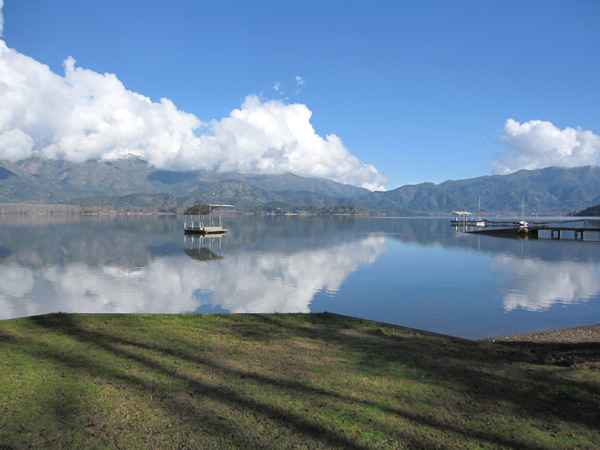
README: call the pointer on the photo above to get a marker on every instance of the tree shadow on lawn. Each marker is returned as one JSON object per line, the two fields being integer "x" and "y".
{"x": 227, "y": 407}
{"x": 476, "y": 370}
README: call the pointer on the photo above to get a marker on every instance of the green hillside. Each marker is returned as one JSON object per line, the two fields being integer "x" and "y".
{"x": 44, "y": 180}
{"x": 545, "y": 190}
{"x": 131, "y": 183}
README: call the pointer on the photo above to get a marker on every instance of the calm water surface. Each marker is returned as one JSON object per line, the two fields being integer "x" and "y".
{"x": 419, "y": 273}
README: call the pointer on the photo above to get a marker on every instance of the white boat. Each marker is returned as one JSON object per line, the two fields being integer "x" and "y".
{"x": 522, "y": 227}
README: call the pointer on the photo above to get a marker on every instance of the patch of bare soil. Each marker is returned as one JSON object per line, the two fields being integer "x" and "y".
{"x": 564, "y": 347}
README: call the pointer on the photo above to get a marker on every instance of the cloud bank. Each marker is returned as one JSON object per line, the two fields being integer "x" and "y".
{"x": 537, "y": 144}
{"x": 85, "y": 115}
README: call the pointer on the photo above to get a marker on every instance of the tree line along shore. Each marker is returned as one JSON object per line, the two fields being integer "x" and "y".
{"x": 269, "y": 209}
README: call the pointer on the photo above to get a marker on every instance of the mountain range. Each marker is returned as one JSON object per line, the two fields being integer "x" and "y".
{"x": 132, "y": 183}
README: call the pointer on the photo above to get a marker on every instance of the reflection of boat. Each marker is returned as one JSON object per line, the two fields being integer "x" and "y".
{"x": 204, "y": 225}
{"x": 202, "y": 254}
{"x": 204, "y": 251}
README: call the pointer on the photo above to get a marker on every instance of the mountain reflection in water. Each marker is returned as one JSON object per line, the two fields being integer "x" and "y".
{"x": 413, "y": 272}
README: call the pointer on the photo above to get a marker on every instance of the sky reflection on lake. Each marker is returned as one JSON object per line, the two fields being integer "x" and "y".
{"x": 413, "y": 272}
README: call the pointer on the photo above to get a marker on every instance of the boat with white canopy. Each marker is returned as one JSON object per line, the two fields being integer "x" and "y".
{"x": 205, "y": 223}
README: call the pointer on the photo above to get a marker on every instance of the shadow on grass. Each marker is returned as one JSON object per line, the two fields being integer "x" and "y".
{"x": 472, "y": 372}
{"x": 459, "y": 362}
{"x": 211, "y": 424}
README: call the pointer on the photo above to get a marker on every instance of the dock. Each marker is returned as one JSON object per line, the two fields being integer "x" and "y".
{"x": 539, "y": 230}
{"x": 199, "y": 229}
{"x": 205, "y": 225}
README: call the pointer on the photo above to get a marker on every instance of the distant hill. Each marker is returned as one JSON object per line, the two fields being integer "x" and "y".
{"x": 48, "y": 181}
{"x": 132, "y": 183}
{"x": 592, "y": 211}
{"x": 242, "y": 195}
{"x": 545, "y": 190}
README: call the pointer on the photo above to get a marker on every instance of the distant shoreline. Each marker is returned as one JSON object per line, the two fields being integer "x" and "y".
{"x": 26, "y": 208}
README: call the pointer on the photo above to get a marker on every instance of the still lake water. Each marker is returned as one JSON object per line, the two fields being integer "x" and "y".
{"x": 414, "y": 272}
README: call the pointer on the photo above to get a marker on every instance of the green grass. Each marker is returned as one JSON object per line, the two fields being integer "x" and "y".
{"x": 279, "y": 381}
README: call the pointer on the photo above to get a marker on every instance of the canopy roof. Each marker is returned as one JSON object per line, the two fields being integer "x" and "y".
{"x": 203, "y": 210}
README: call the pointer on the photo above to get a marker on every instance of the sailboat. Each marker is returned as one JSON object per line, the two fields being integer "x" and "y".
{"x": 480, "y": 222}
{"x": 522, "y": 226}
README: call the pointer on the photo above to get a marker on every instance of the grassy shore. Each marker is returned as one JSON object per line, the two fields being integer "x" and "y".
{"x": 278, "y": 381}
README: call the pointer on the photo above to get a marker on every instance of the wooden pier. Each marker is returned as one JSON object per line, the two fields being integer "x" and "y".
{"x": 556, "y": 232}
{"x": 533, "y": 230}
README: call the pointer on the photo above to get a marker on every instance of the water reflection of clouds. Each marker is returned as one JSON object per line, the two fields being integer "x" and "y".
{"x": 17, "y": 281}
{"x": 243, "y": 282}
{"x": 263, "y": 282}
{"x": 537, "y": 285}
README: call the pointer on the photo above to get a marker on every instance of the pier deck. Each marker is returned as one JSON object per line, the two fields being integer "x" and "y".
{"x": 556, "y": 232}
{"x": 202, "y": 230}
{"x": 199, "y": 227}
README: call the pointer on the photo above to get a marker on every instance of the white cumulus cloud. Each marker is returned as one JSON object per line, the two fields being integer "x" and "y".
{"x": 537, "y": 144}
{"x": 86, "y": 115}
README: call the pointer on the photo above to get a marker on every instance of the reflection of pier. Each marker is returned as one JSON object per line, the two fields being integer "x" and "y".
{"x": 205, "y": 224}
{"x": 552, "y": 230}
{"x": 204, "y": 250}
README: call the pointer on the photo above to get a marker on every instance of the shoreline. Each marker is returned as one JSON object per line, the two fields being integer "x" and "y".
{"x": 563, "y": 346}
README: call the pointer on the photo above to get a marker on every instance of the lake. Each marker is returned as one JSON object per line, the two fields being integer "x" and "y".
{"x": 415, "y": 272}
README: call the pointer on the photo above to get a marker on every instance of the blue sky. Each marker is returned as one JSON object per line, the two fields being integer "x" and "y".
{"x": 422, "y": 90}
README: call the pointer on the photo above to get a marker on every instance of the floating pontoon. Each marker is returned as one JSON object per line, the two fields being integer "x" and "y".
{"x": 205, "y": 224}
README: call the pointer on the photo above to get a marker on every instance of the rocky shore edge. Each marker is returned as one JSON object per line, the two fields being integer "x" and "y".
{"x": 562, "y": 347}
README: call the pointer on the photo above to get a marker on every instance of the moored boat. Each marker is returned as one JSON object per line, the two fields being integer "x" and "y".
{"x": 205, "y": 224}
